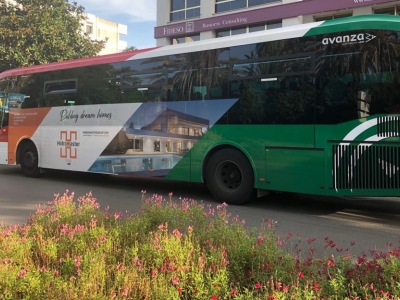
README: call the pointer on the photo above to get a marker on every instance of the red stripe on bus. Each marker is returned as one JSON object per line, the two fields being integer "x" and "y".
{"x": 80, "y": 62}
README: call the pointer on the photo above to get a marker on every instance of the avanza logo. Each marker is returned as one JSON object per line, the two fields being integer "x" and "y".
{"x": 68, "y": 145}
{"x": 359, "y": 38}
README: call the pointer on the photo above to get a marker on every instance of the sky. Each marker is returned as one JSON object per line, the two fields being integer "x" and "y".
{"x": 138, "y": 15}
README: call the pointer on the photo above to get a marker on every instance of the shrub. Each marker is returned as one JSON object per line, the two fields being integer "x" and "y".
{"x": 182, "y": 249}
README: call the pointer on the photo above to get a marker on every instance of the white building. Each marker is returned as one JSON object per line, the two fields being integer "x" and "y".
{"x": 99, "y": 29}
{"x": 180, "y": 21}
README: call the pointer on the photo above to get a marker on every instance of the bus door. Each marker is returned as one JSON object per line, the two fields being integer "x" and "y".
{"x": 283, "y": 109}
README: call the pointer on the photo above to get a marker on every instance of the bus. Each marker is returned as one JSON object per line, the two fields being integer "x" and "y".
{"x": 311, "y": 108}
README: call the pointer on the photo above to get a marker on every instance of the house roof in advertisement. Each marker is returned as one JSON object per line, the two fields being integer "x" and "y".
{"x": 264, "y": 14}
{"x": 81, "y": 62}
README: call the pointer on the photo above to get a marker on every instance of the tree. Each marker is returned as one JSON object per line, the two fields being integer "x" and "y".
{"x": 131, "y": 48}
{"x": 36, "y": 32}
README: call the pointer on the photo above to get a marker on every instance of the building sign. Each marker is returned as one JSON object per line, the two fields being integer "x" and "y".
{"x": 262, "y": 15}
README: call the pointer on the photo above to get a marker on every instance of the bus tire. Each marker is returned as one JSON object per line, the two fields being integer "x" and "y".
{"x": 29, "y": 160}
{"x": 229, "y": 177}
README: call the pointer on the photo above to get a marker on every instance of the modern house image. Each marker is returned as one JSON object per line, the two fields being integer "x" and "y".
{"x": 152, "y": 148}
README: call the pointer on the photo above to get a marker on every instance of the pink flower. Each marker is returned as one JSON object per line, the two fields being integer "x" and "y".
{"x": 316, "y": 287}
{"x": 170, "y": 194}
{"x": 257, "y": 285}
{"x": 331, "y": 263}
{"x": 214, "y": 297}
{"x": 22, "y": 273}
{"x": 177, "y": 233}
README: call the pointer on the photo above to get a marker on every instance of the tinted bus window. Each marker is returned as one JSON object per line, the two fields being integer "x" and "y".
{"x": 199, "y": 75}
{"x": 353, "y": 81}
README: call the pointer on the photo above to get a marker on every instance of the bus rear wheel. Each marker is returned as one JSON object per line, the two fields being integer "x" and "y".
{"x": 229, "y": 177}
{"x": 29, "y": 160}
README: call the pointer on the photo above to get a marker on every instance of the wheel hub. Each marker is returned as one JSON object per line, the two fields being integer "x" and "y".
{"x": 229, "y": 176}
{"x": 29, "y": 159}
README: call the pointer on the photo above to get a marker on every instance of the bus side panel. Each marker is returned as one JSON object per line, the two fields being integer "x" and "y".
{"x": 23, "y": 124}
{"x": 295, "y": 170}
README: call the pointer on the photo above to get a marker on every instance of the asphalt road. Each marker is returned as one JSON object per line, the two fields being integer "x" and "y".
{"x": 359, "y": 225}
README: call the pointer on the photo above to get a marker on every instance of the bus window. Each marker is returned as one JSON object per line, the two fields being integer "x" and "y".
{"x": 60, "y": 92}
{"x": 143, "y": 87}
{"x": 278, "y": 100}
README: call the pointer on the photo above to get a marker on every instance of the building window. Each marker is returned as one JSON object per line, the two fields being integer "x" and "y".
{"x": 251, "y": 28}
{"x": 330, "y": 17}
{"x": 388, "y": 11}
{"x": 89, "y": 28}
{"x": 185, "y": 39}
{"x": 184, "y": 9}
{"x": 226, "y": 5}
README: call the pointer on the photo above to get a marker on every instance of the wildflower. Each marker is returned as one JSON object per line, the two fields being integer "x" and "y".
{"x": 177, "y": 233}
{"x": 285, "y": 288}
{"x": 311, "y": 240}
{"x": 257, "y": 285}
{"x": 117, "y": 215}
{"x": 331, "y": 263}
{"x": 77, "y": 261}
{"x": 154, "y": 273}
{"x": 233, "y": 293}
{"x": 179, "y": 290}
{"x": 301, "y": 275}
{"x": 22, "y": 273}
{"x": 214, "y": 297}
{"x": 175, "y": 281}
{"x": 170, "y": 194}
{"x": 316, "y": 287}
{"x": 222, "y": 205}
{"x": 384, "y": 294}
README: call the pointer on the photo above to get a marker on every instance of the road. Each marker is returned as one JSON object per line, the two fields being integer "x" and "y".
{"x": 358, "y": 224}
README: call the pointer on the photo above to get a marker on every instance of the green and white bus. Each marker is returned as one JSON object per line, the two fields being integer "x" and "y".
{"x": 311, "y": 108}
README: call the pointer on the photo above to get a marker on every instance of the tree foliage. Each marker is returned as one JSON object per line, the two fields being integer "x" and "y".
{"x": 36, "y": 32}
{"x": 131, "y": 48}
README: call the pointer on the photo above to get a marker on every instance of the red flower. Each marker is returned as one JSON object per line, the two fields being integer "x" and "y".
{"x": 301, "y": 275}
{"x": 233, "y": 293}
{"x": 179, "y": 290}
{"x": 258, "y": 285}
{"x": 316, "y": 287}
{"x": 215, "y": 297}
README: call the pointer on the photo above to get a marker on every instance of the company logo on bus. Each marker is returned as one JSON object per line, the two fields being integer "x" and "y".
{"x": 360, "y": 38}
{"x": 68, "y": 145}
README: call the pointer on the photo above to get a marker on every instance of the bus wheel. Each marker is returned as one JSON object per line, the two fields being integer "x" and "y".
{"x": 229, "y": 177}
{"x": 29, "y": 160}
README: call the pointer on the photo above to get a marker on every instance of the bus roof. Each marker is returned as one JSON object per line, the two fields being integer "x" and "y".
{"x": 74, "y": 63}
{"x": 362, "y": 22}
